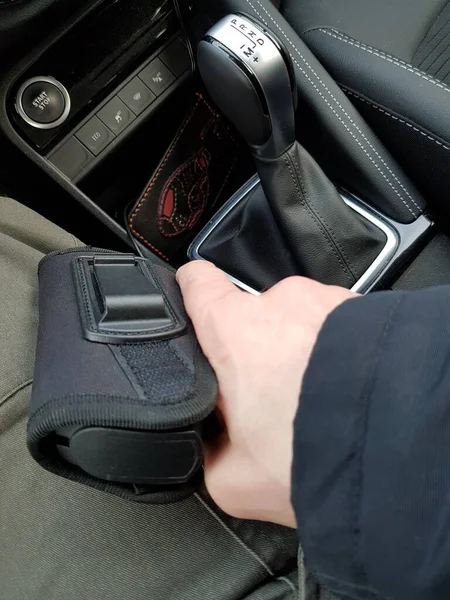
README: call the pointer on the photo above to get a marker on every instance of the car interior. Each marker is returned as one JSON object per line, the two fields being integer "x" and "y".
{"x": 95, "y": 93}
{"x": 272, "y": 138}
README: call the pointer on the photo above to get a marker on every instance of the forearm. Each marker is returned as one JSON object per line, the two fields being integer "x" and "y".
{"x": 371, "y": 476}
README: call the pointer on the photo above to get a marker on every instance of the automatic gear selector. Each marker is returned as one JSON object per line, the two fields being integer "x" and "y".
{"x": 249, "y": 75}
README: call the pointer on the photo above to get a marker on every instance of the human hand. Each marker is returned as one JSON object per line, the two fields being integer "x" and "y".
{"x": 259, "y": 348}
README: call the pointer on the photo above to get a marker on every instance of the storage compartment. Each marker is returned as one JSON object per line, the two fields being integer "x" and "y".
{"x": 116, "y": 183}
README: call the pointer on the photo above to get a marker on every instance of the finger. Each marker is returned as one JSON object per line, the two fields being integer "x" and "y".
{"x": 295, "y": 286}
{"x": 232, "y": 480}
{"x": 301, "y": 293}
{"x": 202, "y": 286}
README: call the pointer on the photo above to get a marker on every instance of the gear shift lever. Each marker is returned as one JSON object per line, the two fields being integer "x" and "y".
{"x": 249, "y": 75}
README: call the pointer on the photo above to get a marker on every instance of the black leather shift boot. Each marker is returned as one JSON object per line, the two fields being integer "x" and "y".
{"x": 249, "y": 246}
{"x": 306, "y": 229}
{"x": 328, "y": 241}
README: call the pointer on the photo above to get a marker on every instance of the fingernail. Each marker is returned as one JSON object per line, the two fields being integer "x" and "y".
{"x": 178, "y": 275}
{"x": 183, "y": 274}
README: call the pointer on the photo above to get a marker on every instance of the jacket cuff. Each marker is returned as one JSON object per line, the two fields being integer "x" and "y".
{"x": 330, "y": 433}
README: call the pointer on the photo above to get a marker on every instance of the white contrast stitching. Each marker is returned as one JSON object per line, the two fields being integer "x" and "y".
{"x": 389, "y": 58}
{"x": 385, "y": 112}
{"x": 372, "y": 160}
{"x": 13, "y": 392}
{"x": 241, "y": 542}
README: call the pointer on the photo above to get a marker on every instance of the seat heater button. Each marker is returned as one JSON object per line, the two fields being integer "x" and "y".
{"x": 43, "y": 102}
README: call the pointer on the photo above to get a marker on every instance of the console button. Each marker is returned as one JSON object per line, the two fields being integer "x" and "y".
{"x": 43, "y": 102}
{"x": 157, "y": 76}
{"x": 94, "y": 135}
{"x": 176, "y": 57}
{"x": 136, "y": 95}
{"x": 71, "y": 158}
{"x": 116, "y": 115}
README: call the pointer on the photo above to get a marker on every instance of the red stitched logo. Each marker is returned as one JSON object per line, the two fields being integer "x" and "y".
{"x": 184, "y": 196}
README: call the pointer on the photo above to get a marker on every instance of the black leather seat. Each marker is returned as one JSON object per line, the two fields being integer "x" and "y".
{"x": 392, "y": 57}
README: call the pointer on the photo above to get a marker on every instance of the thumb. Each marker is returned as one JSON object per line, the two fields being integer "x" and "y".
{"x": 202, "y": 285}
{"x": 223, "y": 468}
{"x": 235, "y": 482}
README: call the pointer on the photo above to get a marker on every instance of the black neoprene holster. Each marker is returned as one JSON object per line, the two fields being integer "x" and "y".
{"x": 121, "y": 387}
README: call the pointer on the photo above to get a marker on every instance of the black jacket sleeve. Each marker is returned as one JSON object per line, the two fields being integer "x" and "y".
{"x": 371, "y": 469}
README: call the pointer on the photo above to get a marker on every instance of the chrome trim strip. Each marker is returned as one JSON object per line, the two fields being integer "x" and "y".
{"x": 399, "y": 236}
{"x": 27, "y": 119}
{"x": 386, "y": 254}
{"x": 194, "y": 249}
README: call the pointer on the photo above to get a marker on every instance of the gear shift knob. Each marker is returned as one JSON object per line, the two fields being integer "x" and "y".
{"x": 249, "y": 76}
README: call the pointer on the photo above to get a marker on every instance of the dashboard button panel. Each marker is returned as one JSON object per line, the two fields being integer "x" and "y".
{"x": 125, "y": 106}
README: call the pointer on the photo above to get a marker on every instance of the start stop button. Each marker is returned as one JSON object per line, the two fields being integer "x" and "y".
{"x": 43, "y": 102}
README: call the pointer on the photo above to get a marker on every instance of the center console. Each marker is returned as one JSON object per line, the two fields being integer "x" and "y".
{"x": 98, "y": 110}
{"x": 290, "y": 219}
{"x": 258, "y": 257}
{"x": 93, "y": 109}
{"x": 96, "y": 105}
